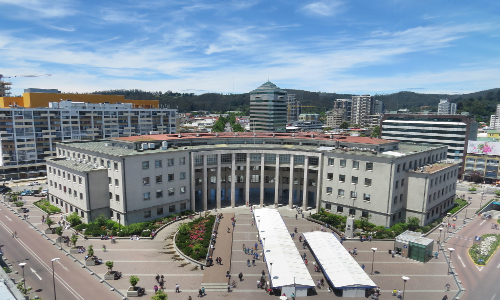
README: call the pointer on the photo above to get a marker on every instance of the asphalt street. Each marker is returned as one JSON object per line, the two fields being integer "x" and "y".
{"x": 72, "y": 281}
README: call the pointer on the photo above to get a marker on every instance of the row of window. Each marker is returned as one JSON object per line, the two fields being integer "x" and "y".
{"x": 441, "y": 192}
{"x": 439, "y": 209}
{"x": 158, "y": 178}
{"x": 354, "y": 194}
{"x": 354, "y": 179}
{"x": 352, "y": 211}
{"x": 442, "y": 178}
{"x": 65, "y": 175}
{"x": 70, "y": 206}
{"x": 355, "y": 164}
{"x": 159, "y": 163}
{"x": 159, "y": 193}
{"x": 159, "y": 211}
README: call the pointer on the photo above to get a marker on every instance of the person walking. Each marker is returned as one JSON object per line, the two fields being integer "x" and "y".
{"x": 220, "y": 261}
{"x": 248, "y": 262}
{"x": 177, "y": 288}
{"x": 293, "y": 296}
{"x": 253, "y": 262}
{"x": 295, "y": 216}
{"x": 240, "y": 276}
{"x": 189, "y": 297}
{"x": 155, "y": 288}
{"x": 200, "y": 293}
{"x": 363, "y": 266}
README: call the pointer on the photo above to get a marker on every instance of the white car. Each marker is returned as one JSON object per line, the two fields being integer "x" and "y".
{"x": 34, "y": 183}
{"x": 44, "y": 192}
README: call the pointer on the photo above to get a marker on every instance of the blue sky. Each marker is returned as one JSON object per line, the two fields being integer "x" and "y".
{"x": 357, "y": 46}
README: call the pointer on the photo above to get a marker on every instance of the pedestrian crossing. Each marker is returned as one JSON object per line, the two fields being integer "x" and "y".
{"x": 465, "y": 238}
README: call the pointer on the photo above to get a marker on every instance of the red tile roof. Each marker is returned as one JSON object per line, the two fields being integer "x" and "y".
{"x": 302, "y": 135}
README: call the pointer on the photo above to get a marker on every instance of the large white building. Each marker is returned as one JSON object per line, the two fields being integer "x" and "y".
{"x": 146, "y": 177}
{"x": 28, "y": 135}
{"x": 495, "y": 119}
{"x": 453, "y": 131}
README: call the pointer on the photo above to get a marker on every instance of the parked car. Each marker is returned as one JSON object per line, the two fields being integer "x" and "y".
{"x": 44, "y": 192}
{"x": 4, "y": 190}
{"x": 34, "y": 183}
{"x": 27, "y": 193}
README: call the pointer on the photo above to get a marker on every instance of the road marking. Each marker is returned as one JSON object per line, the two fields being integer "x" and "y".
{"x": 480, "y": 269}
{"x": 493, "y": 296}
{"x": 482, "y": 222}
{"x": 45, "y": 265}
{"x": 62, "y": 265}
{"x": 461, "y": 261}
{"x": 498, "y": 266}
{"x": 8, "y": 218}
{"x": 36, "y": 274}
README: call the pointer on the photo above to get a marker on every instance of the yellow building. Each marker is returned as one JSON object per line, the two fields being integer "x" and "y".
{"x": 493, "y": 134}
{"x": 33, "y": 100}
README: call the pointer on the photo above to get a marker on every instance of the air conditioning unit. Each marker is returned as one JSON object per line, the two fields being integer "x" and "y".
{"x": 144, "y": 146}
{"x": 151, "y": 145}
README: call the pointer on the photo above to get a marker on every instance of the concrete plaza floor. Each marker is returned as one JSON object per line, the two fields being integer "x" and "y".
{"x": 147, "y": 258}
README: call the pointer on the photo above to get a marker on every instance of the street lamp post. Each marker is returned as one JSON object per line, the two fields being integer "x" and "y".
{"x": 405, "y": 279}
{"x": 24, "y": 279}
{"x": 373, "y": 259}
{"x": 445, "y": 225}
{"x": 482, "y": 196}
{"x": 53, "y": 277}
{"x": 449, "y": 263}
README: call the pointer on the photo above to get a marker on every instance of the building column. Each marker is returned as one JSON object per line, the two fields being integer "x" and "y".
{"x": 262, "y": 179}
{"x": 319, "y": 180}
{"x": 219, "y": 180}
{"x": 233, "y": 179}
{"x": 193, "y": 184}
{"x": 205, "y": 186}
{"x": 247, "y": 181}
{"x": 306, "y": 173}
{"x": 277, "y": 181}
{"x": 290, "y": 181}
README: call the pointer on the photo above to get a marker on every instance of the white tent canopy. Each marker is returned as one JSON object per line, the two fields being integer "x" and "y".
{"x": 339, "y": 266}
{"x": 287, "y": 268}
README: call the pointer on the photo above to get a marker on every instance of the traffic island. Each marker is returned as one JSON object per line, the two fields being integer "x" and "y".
{"x": 483, "y": 249}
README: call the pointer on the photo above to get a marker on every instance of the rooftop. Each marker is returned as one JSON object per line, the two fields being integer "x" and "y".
{"x": 74, "y": 165}
{"x": 269, "y": 135}
{"x": 435, "y": 167}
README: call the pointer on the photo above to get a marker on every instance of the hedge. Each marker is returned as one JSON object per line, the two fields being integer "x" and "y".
{"x": 105, "y": 226}
{"x": 45, "y": 205}
{"x": 194, "y": 237}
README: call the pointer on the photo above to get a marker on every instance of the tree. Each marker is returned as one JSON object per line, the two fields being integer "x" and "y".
{"x": 160, "y": 295}
{"x": 49, "y": 222}
{"x": 90, "y": 250}
{"x": 375, "y": 132}
{"x": 59, "y": 232}
{"x": 109, "y": 264}
{"x": 74, "y": 219}
{"x": 133, "y": 280}
{"x": 413, "y": 223}
{"x": 73, "y": 239}
{"x": 344, "y": 125}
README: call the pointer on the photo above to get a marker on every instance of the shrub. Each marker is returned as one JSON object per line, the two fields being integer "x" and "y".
{"x": 49, "y": 221}
{"x": 133, "y": 280}
{"x": 195, "y": 240}
{"x": 45, "y": 205}
{"x": 19, "y": 204}
{"x": 109, "y": 264}
{"x": 74, "y": 219}
{"x": 90, "y": 250}
{"x": 73, "y": 239}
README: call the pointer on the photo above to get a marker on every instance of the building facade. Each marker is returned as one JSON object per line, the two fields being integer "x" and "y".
{"x": 361, "y": 106}
{"x": 495, "y": 119}
{"x": 152, "y": 176}
{"x": 268, "y": 108}
{"x": 28, "y": 135}
{"x": 445, "y": 107}
{"x": 453, "y": 131}
{"x": 294, "y": 108}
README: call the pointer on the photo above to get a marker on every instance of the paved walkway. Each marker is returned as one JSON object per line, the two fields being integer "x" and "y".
{"x": 217, "y": 273}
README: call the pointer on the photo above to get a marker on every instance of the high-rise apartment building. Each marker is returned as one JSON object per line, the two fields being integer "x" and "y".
{"x": 445, "y": 107}
{"x": 495, "y": 119}
{"x": 361, "y": 106}
{"x": 268, "y": 108}
{"x": 294, "y": 108}
{"x": 28, "y": 135}
{"x": 379, "y": 107}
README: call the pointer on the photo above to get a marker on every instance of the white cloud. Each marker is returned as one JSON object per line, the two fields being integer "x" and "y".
{"x": 325, "y": 7}
{"x": 67, "y": 29}
{"x": 43, "y": 8}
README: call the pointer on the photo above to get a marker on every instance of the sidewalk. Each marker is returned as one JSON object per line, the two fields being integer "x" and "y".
{"x": 217, "y": 273}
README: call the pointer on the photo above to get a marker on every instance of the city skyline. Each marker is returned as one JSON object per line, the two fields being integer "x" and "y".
{"x": 219, "y": 46}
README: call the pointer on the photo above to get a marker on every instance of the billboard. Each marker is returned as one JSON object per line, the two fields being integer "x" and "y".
{"x": 488, "y": 148}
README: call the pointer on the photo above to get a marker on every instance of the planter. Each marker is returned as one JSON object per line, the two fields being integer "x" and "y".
{"x": 73, "y": 250}
{"x": 20, "y": 211}
{"x": 49, "y": 231}
{"x": 90, "y": 262}
{"x": 133, "y": 291}
{"x": 110, "y": 275}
